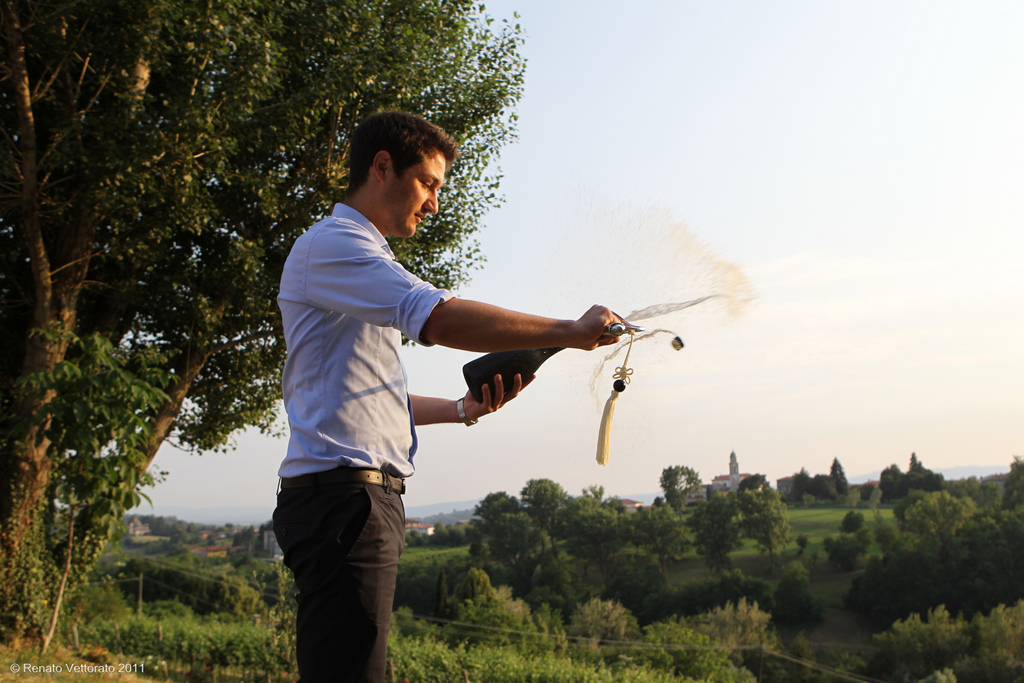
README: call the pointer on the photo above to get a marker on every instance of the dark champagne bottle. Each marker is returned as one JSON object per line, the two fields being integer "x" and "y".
{"x": 508, "y": 364}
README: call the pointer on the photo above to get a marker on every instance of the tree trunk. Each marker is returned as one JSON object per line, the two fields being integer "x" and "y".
{"x": 31, "y": 468}
{"x": 57, "y": 279}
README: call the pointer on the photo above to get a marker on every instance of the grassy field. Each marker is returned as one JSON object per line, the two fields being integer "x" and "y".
{"x": 431, "y": 555}
{"x": 817, "y": 523}
{"x": 840, "y": 631}
{"x": 148, "y": 539}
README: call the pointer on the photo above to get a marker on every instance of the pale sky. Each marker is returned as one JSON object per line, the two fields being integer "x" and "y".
{"x": 862, "y": 162}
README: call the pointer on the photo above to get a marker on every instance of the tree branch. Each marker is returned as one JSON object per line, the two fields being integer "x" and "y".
{"x": 41, "y": 87}
{"x": 241, "y": 340}
{"x": 96, "y": 95}
{"x": 78, "y": 260}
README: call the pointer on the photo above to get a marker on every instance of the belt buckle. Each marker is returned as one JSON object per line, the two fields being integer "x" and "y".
{"x": 392, "y": 483}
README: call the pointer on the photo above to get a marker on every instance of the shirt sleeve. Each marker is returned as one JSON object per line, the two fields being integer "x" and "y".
{"x": 348, "y": 272}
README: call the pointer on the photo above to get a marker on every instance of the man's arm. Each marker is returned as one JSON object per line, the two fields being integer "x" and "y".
{"x": 476, "y": 326}
{"x": 427, "y": 410}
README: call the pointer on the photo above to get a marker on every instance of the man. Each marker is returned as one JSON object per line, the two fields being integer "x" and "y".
{"x": 344, "y": 303}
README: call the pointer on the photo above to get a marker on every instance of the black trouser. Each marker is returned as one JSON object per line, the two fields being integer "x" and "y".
{"x": 342, "y": 542}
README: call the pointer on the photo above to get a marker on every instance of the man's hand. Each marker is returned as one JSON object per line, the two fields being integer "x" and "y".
{"x": 592, "y": 326}
{"x": 475, "y": 411}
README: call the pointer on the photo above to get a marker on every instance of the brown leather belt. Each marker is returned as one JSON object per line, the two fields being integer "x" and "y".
{"x": 346, "y": 475}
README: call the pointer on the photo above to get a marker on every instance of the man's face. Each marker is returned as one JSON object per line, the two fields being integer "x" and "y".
{"x": 411, "y": 197}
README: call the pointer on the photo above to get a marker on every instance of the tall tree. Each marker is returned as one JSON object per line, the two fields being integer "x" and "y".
{"x": 938, "y": 517}
{"x": 512, "y": 538}
{"x": 679, "y": 483}
{"x": 595, "y": 530}
{"x": 494, "y": 505}
{"x": 919, "y": 477}
{"x": 442, "y": 606}
{"x": 541, "y": 499}
{"x": 802, "y": 484}
{"x": 716, "y": 531}
{"x": 892, "y": 483}
{"x": 159, "y": 158}
{"x": 764, "y": 520}
{"x": 1013, "y": 485}
{"x": 838, "y": 477}
{"x": 915, "y": 464}
{"x": 504, "y": 528}
{"x": 662, "y": 533}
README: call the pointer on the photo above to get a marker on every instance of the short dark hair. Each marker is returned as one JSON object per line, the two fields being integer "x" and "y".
{"x": 408, "y": 138}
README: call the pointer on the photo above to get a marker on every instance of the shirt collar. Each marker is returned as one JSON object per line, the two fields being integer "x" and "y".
{"x": 346, "y": 212}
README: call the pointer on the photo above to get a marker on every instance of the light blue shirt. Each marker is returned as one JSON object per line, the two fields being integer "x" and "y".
{"x": 345, "y": 302}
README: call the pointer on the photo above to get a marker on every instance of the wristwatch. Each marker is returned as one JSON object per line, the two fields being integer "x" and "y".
{"x": 462, "y": 413}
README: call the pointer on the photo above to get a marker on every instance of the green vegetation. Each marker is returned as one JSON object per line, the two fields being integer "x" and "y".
{"x": 431, "y": 661}
{"x": 946, "y": 552}
{"x": 896, "y": 484}
{"x": 679, "y": 483}
{"x": 716, "y": 531}
{"x": 985, "y": 648}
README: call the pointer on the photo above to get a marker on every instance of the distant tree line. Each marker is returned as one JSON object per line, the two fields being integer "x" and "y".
{"x": 893, "y": 485}
{"x": 822, "y": 486}
{"x": 178, "y": 533}
{"x": 444, "y": 535}
{"x": 896, "y": 484}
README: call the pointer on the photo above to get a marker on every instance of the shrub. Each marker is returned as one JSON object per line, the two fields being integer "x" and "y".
{"x": 697, "y": 597}
{"x": 846, "y": 549}
{"x": 428, "y": 661}
{"x": 913, "y": 648}
{"x": 700, "y": 664}
{"x": 186, "y": 640}
{"x": 603, "y": 620}
{"x": 851, "y": 522}
{"x": 795, "y": 605}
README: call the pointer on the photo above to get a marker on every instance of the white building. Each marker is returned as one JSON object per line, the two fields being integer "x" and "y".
{"x": 270, "y": 544}
{"x": 728, "y": 482}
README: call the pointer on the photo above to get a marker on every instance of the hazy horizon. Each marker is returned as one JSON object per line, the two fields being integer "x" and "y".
{"x": 256, "y": 515}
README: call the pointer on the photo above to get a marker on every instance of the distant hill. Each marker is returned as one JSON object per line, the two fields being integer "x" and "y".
{"x": 448, "y": 513}
{"x": 422, "y": 512}
{"x": 950, "y": 473}
{"x": 254, "y": 516}
{"x": 446, "y": 518}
